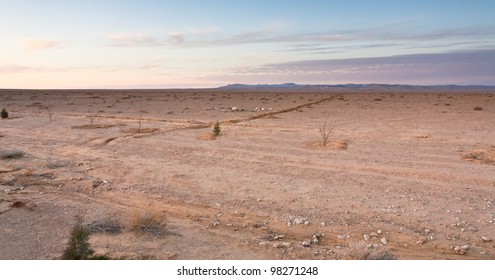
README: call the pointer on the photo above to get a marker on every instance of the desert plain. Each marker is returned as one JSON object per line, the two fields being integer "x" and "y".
{"x": 409, "y": 173}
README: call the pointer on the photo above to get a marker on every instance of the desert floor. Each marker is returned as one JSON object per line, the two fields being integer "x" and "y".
{"x": 409, "y": 173}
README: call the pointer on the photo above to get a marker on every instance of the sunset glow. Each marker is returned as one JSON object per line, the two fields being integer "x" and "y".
{"x": 167, "y": 44}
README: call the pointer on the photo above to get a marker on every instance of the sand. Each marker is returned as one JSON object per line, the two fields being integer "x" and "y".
{"x": 414, "y": 170}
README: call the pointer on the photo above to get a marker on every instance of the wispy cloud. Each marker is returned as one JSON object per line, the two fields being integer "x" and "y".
{"x": 331, "y": 41}
{"x": 468, "y": 67}
{"x": 14, "y": 68}
{"x": 36, "y": 44}
{"x": 128, "y": 40}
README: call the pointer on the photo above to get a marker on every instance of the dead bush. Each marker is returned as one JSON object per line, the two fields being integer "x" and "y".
{"x": 11, "y": 154}
{"x": 146, "y": 221}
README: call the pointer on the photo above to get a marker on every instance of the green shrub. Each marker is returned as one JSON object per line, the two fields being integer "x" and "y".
{"x": 216, "y": 129}
{"x": 78, "y": 247}
{"x": 4, "y": 114}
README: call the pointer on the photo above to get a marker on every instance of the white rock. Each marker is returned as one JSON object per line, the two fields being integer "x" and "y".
{"x": 281, "y": 245}
{"x": 366, "y": 237}
{"x": 298, "y": 221}
{"x": 322, "y": 224}
{"x": 384, "y": 241}
{"x": 486, "y": 239}
{"x": 306, "y": 243}
{"x": 379, "y": 231}
{"x": 340, "y": 236}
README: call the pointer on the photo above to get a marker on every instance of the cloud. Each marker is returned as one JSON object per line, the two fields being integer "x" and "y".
{"x": 14, "y": 68}
{"x": 128, "y": 40}
{"x": 467, "y": 67}
{"x": 35, "y": 44}
{"x": 176, "y": 38}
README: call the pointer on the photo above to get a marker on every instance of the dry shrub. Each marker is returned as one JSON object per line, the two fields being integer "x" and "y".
{"x": 148, "y": 220}
{"x": 105, "y": 226}
{"x": 362, "y": 251}
{"x": 483, "y": 156}
{"x": 11, "y": 154}
{"x": 478, "y": 108}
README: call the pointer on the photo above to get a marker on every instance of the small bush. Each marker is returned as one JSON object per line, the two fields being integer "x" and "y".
{"x": 4, "y": 114}
{"x": 149, "y": 220}
{"x": 478, "y": 108}
{"x": 78, "y": 247}
{"x": 216, "y": 129}
{"x": 11, "y": 154}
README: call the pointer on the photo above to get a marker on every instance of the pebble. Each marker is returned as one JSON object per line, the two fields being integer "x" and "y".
{"x": 486, "y": 239}
{"x": 366, "y": 237}
{"x": 323, "y": 224}
{"x": 281, "y": 245}
{"x": 379, "y": 231}
{"x": 461, "y": 250}
{"x": 384, "y": 241}
{"x": 306, "y": 243}
{"x": 340, "y": 236}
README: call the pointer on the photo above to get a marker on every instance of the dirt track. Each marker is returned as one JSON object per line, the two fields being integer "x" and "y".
{"x": 394, "y": 165}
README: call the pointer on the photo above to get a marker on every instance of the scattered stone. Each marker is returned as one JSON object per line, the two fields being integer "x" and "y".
{"x": 281, "y": 245}
{"x": 263, "y": 243}
{"x": 461, "y": 250}
{"x": 384, "y": 241}
{"x": 323, "y": 224}
{"x": 298, "y": 221}
{"x": 379, "y": 231}
{"x": 306, "y": 243}
{"x": 366, "y": 237}
{"x": 340, "y": 236}
{"x": 486, "y": 239}
{"x": 216, "y": 223}
{"x": 279, "y": 237}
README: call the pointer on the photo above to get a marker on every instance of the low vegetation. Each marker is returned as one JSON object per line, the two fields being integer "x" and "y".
{"x": 11, "y": 154}
{"x": 147, "y": 221}
{"x": 478, "y": 108}
{"x": 78, "y": 247}
{"x": 4, "y": 114}
{"x": 216, "y": 129}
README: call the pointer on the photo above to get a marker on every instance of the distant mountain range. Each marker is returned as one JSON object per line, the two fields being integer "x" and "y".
{"x": 369, "y": 87}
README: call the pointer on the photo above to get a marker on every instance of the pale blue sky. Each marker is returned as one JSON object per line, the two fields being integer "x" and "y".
{"x": 160, "y": 44}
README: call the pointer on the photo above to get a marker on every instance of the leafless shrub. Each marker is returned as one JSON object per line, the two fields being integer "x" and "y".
{"x": 92, "y": 117}
{"x": 325, "y": 131}
{"x": 108, "y": 225}
{"x": 50, "y": 112}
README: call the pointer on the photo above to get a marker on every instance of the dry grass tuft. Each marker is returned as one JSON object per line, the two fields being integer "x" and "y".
{"x": 149, "y": 220}
{"x": 486, "y": 156}
{"x": 362, "y": 251}
{"x": 11, "y": 154}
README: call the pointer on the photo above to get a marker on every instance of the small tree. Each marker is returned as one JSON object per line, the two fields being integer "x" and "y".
{"x": 216, "y": 129}
{"x": 78, "y": 247}
{"x": 4, "y": 114}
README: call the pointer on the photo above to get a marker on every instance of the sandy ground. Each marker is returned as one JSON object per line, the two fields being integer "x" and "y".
{"x": 398, "y": 169}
